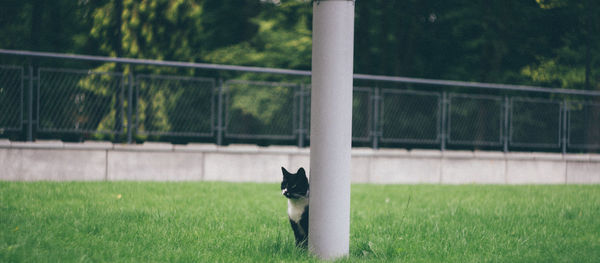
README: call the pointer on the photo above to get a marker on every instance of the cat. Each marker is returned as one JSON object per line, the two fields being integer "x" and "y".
{"x": 295, "y": 188}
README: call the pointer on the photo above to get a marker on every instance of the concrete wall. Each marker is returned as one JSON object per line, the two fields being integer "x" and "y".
{"x": 99, "y": 161}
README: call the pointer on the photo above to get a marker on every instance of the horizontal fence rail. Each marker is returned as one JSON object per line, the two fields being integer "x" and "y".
{"x": 272, "y": 106}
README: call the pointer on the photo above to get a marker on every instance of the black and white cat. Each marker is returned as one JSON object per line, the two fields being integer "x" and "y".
{"x": 295, "y": 188}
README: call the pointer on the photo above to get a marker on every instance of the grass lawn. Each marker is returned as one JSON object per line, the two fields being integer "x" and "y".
{"x": 226, "y": 222}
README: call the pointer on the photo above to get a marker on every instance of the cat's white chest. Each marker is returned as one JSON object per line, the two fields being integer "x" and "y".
{"x": 296, "y": 208}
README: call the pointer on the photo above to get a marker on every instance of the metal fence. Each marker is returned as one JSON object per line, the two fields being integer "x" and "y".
{"x": 11, "y": 98}
{"x": 269, "y": 106}
{"x": 174, "y": 105}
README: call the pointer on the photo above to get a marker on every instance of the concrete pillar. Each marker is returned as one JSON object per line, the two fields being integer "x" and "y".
{"x": 331, "y": 128}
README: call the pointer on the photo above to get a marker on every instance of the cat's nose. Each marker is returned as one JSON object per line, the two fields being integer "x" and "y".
{"x": 284, "y": 191}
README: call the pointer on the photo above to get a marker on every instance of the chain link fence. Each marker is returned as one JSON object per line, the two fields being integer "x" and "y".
{"x": 362, "y": 114}
{"x": 475, "y": 120}
{"x": 410, "y": 116}
{"x": 259, "y": 108}
{"x": 535, "y": 122}
{"x": 11, "y": 98}
{"x": 583, "y": 125}
{"x": 174, "y": 105}
{"x": 76, "y": 101}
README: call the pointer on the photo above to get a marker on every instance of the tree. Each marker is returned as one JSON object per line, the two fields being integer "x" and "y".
{"x": 575, "y": 63}
{"x": 282, "y": 39}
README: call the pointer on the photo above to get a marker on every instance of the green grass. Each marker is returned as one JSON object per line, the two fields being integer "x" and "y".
{"x": 225, "y": 222}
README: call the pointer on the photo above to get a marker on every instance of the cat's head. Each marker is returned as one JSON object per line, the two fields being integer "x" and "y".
{"x": 294, "y": 186}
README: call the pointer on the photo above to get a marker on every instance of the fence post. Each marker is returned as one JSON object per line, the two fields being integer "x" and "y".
{"x": 506, "y": 123}
{"x": 219, "y": 127}
{"x": 376, "y": 100}
{"x": 30, "y": 106}
{"x": 565, "y": 112}
{"x": 130, "y": 109}
{"x": 443, "y": 128}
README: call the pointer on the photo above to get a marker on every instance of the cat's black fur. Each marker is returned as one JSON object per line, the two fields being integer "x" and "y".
{"x": 295, "y": 188}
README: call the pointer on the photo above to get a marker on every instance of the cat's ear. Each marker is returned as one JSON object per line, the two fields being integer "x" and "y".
{"x": 285, "y": 172}
{"x": 301, "y": 172}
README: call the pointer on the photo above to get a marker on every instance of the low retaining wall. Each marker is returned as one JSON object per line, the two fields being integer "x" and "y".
{"x": 104, "y": 161}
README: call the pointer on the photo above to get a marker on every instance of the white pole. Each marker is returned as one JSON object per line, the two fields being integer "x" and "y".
{"x": 331, "y": 128}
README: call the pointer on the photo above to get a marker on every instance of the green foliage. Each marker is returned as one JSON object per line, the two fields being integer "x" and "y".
{"x": 502, "y": 41}
{"x": 283, "y": 39}
{"x": 157, "y": 29}
{"x": 60, "y": 26}
{"x": 556, "y": 74}
{"x": 575, "y": 63}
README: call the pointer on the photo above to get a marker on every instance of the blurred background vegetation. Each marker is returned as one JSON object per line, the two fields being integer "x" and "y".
{"x": 545, "y": 42}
